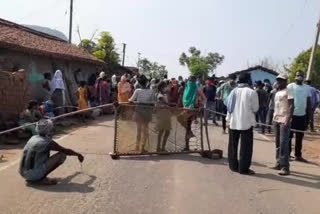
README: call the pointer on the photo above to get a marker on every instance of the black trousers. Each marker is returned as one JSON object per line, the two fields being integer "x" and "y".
{"x": 311, "y": 119}
{"x": 224, "y": 111}
{"x": 298, "y": 123}
{"x": 246, "y": 149}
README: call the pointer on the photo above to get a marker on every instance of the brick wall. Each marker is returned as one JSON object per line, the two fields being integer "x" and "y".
{"x": 14, "y": 94}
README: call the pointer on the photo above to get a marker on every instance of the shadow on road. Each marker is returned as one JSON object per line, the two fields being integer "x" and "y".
{"x": 185, "y": 157}
{"x": 296, "y": 178}
{"x": 66, "y": 185}
{"x": 3, "y": 161}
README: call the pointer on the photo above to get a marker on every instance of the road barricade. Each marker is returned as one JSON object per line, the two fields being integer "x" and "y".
{"x": 143, "y": 129}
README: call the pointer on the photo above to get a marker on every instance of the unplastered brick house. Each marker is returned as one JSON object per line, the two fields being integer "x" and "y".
{"x": 38, "y": 53}
{"x": 14, "y": 94}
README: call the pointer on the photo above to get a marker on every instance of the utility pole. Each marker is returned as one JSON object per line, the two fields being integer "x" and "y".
{"x": 70, "y": 21}
{"x": 124, "y": 53}
{"x": 313, "y": 52}
{"x": 139, "y": 54}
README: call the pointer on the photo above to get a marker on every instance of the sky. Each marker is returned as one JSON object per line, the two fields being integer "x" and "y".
{"x": 244, "y": 31}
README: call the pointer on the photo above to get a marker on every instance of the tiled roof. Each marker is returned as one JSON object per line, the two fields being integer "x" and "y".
{"x": 19, "y": 38}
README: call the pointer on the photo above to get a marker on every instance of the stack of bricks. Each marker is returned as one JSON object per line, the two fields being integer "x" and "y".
{"x": 14, "y": 94}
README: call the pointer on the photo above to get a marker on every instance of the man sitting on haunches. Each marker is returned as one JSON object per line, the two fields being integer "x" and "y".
{"x": 36, "y": 162}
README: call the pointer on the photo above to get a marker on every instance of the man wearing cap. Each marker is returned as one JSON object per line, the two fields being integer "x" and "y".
{"x": 283, "y": 110}
{"x": 301, "y": 96}
{"x": 36, "y": 162}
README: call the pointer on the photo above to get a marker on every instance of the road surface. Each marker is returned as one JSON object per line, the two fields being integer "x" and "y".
{"x": 168, "y": 184}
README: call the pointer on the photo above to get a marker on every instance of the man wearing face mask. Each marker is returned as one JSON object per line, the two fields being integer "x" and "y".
{"x": 36, "y": 162}
{"x": 301, "y": 96}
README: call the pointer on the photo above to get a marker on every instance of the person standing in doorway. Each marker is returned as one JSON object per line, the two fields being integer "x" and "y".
{"x": 224, "y": 92}
{"x": 243, "y": 103}
{"x": 58, "y": 92}
{"x": 283, "y": 110}
{"x": 301, "y": 96}
{"x": 315, "y": 99}
{"x": 46, "y": 86}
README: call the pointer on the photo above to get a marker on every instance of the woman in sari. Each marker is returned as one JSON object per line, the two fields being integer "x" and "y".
{"x": 124, "y": 90}
{"x": 102, "y": 92}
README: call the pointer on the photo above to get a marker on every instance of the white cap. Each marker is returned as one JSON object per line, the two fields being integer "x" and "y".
{"x": 282, "y": 76}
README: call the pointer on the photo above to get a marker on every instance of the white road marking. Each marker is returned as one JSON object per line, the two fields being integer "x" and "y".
{"x": 9, "y": 165}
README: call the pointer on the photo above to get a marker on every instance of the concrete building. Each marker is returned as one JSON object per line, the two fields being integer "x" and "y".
{"x": 259, "y": 73}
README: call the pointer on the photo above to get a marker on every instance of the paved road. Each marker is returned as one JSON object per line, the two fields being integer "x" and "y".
{"x": 168, "y": 184}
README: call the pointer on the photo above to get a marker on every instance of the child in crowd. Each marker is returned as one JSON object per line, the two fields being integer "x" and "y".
{"x": 163, "y": 116}
{"x": 82, "y": 95}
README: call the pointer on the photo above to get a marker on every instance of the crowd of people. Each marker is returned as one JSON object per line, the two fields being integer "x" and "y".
{"x": 288, "y": 107}
{"x": 292, "y": 107}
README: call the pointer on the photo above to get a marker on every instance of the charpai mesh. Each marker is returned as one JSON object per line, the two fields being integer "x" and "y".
{"x": 149, "y": 121}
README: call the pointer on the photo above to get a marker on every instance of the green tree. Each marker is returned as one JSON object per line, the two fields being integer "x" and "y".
{"x": 103, "y": 48}
{"x": 198, "y": 65}
{"x": 145, "y": 66}
{"x": 88, "y": 45}
{"x": 152, "y": 69}
{"x": 158, "y": 71}
{"x": 301, "y": 62}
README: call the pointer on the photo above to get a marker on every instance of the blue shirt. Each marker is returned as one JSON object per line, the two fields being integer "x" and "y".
{"x": 300, "y": 94}
{"x": 314, "y": 97}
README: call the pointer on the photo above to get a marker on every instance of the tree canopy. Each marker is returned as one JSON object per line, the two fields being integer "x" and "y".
{"x": 152, "y": 69}
{"x": 103, "y": 48}
{"x": 199, "y": 65}
{"x": 301, "y": 62}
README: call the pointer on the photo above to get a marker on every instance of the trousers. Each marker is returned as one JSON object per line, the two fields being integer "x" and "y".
{"x": 282, "y": 145}
{"x": 298, "y": 123}
{"x": 246, "y": 149}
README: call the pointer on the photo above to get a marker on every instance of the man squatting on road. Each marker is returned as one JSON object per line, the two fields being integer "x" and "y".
{"x": 36, "y": 162}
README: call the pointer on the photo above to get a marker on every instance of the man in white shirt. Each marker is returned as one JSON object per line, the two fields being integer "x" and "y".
{"x": 301, "y": 96}
{"x": 243, "y": 103}
{"x": 283, "y": 110}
